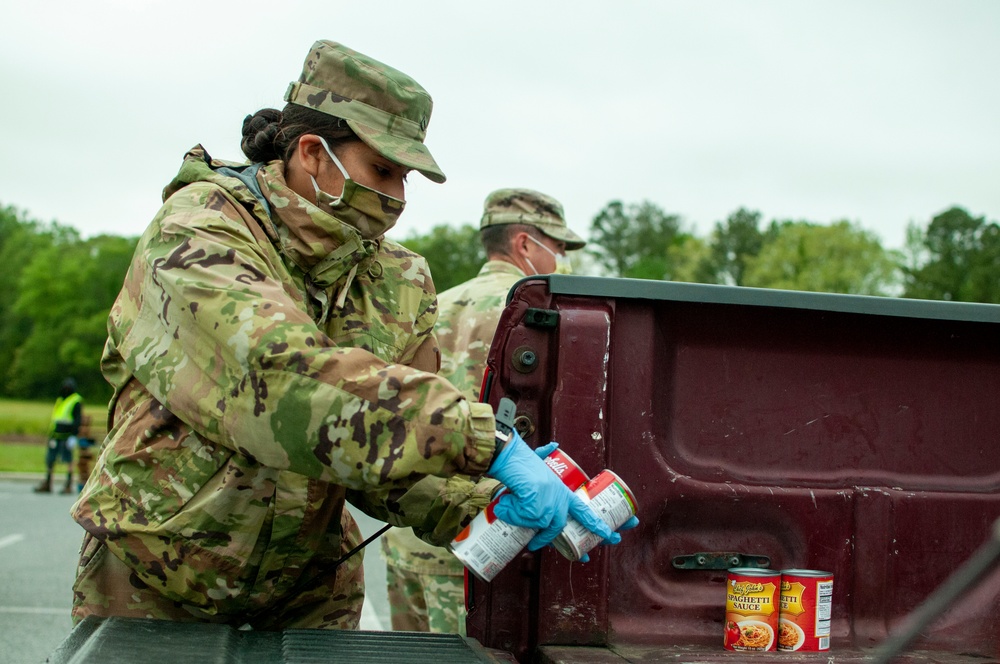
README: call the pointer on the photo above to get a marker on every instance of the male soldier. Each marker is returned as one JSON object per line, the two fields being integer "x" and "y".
{"x": 524, "y": 233}
{"x": 66, "y": 417}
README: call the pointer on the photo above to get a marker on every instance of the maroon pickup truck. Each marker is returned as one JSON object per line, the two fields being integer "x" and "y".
{"x": 772, "y": 429}
{"x": 757, "y": 428}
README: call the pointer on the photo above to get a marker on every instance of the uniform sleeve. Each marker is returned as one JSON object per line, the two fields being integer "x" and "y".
{"x": 436, "y": 508}
{"x": 221, "y": 343}
{"x": 423, "y": 351}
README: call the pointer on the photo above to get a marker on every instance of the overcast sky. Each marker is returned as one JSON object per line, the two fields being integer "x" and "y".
{"x": 880, "y": 112}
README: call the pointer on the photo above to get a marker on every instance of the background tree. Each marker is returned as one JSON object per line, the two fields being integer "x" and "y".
{"x": 731, "y": 245}
{"x": 19, "y": 239}
{"x": 835, "y": 258}
{"x": 635, "y": 240}
{"x": 957, "y": 258}
{"x": 65, "y": 291}
{"x": 454, "y": 254}
{"x": 686, "y": 257}
{"x": 56, "y": 289}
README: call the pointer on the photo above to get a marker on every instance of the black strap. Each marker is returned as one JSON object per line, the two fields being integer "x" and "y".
{"x": 506, "y": 412}
{"x": 362, "y": 545}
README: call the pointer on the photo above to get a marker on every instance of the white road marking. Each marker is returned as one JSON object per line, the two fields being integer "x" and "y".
{"x": 36, "y": 610}
{"x": 369, "y": 618}
{"x": 10, "y": 539}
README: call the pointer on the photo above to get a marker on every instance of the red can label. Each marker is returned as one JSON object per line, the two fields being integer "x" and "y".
{"x": 562, "y": 465}
{"x": 806, "y": 606}
{"x": 751, "y": 609}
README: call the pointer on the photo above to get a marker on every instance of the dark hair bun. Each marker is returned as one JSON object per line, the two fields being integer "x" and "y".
{"x": 260, "y": 132}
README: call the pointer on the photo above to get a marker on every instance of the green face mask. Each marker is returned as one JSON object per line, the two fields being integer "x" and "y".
{"x": 370, "y": 211}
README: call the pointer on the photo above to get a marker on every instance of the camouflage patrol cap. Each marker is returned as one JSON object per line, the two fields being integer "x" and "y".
{"x": 387, "y": 109}
{"x": 531, "y": 208}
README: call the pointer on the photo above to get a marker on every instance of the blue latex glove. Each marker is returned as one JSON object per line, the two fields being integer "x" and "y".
{"x": 545, "y": 450}
{"x": 536, "y": 498}
{"x": 633, "y": 521}
{"x": 630, "y": 524}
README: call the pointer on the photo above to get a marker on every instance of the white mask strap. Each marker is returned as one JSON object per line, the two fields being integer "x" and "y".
{"x": 554, "y": 254}
{"x": 326, "y": 146}
{"x": 336, "y": 161}
{"x": 563, "y": 265}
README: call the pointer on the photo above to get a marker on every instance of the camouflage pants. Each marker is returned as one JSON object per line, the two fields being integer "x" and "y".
{"x": 105, "y": 586}
{"x": 426, "y": 602}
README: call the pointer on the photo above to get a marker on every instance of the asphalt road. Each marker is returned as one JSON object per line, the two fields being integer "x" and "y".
{"x": 39, "y": 546}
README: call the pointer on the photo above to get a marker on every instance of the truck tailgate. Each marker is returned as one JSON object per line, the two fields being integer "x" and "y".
{"x": 855, "y": 435}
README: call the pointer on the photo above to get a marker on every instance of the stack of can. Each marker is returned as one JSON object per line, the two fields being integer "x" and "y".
{"x": 770, "y": 610}
{"x": 487, "y": 544}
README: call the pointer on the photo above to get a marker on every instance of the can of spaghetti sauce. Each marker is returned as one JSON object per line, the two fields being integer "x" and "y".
{"x": 611, "y": 499}
{"x": 751, "y": 609}
{"x": 487, "y": 544}
{"x": 806, "y": 604}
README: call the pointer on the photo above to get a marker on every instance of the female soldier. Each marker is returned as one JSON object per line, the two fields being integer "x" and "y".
{"x": 271, "y": 355}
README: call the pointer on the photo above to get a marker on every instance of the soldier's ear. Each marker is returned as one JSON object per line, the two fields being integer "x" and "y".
{"x": 309, "y": 153}
{"x": 519, "y": 244}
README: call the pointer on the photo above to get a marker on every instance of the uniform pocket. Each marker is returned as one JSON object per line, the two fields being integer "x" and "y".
{"x": 158, "y": 463}
{"x": 90, "y": 550}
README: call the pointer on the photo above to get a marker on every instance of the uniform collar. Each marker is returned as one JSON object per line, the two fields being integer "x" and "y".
{"x": 500, "y": 267}
{"x": 320, "y": 244}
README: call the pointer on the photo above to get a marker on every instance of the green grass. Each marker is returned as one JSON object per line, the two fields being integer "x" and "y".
{"x": 22, "y": 421}
{"x": 24, "y": 458}
{"x": 24, "y": 426}
{"x": 30, "y": 418}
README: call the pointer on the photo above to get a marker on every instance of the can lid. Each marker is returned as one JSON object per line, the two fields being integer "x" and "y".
{"x": 805, "y": 572}
{"x": 753, "y": 571}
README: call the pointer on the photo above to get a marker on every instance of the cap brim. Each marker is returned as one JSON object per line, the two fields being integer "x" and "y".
{"x": 563, "y": 234}
{"x": 404, "y": 151}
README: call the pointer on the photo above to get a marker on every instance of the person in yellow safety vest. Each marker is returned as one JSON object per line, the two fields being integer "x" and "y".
{"x": 67, "y": 415}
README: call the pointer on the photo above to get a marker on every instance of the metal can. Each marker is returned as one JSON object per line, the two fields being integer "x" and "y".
{"x": 487, "y": 544}
{"x": 612, "y": 501}
{"x": 806, "y": 605}
{"x": 751, "y": 609}
{"x": 568, "y": 471}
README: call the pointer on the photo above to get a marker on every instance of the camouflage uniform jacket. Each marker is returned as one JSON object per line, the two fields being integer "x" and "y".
{"x": 248, "y": 405}
{"x": 467, "y": 321}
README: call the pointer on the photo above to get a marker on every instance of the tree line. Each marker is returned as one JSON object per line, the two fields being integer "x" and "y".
{"x": 56, "y": 287}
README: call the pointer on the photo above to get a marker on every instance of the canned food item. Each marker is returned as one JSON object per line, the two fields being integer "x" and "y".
{"x": 568, "y": 471}
{"x": 611, "y": 499}
{"x": 806, "y": 605}
{"x": 751, "y": 609}
{"x": 487, "y": 544}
